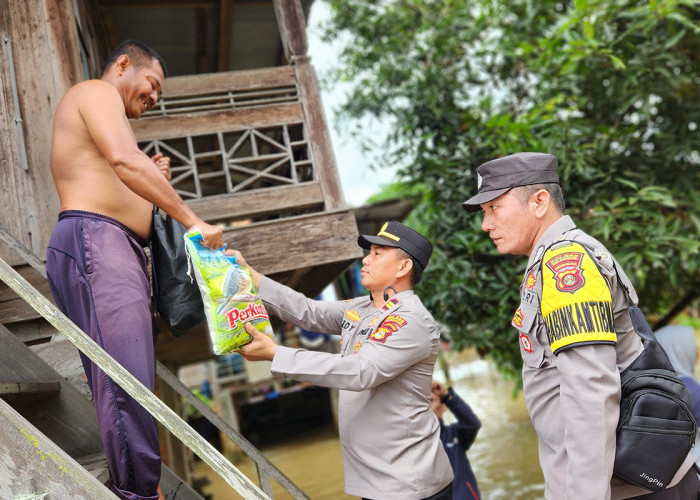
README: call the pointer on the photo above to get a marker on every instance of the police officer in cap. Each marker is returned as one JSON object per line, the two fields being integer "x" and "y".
{"x": 574, "y": 330}
{"x": 390, "y": 438}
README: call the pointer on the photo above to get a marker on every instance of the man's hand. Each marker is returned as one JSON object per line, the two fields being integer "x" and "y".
{"x": 212, "y": 237}
{"x": 163, "y": 163}
{"x": 262, "y": 348}
{"x": 438, "y": 389}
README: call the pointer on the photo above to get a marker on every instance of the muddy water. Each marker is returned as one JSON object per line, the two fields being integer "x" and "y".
{"x": 504, "y": 455}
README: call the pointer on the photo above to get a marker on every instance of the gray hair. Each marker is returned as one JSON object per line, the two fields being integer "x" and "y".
{"x": 554, "y": 190}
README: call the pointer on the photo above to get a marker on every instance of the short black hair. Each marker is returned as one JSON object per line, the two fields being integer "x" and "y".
{"x": 416, "y": 270}
{"x": 138, "y": 52}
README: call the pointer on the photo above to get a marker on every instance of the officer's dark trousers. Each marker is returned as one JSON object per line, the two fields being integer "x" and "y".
{"x": 98, "y": 276}
{"x": 687, "y": 489}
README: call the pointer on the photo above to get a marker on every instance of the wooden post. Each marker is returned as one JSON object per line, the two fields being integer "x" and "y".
{"x": 290, "y": 19}
{"x": 177, "y": 452}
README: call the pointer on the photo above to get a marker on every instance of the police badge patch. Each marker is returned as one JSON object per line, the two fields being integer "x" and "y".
{"x": 567, "y": 271}
{"x": 389, "y": 326}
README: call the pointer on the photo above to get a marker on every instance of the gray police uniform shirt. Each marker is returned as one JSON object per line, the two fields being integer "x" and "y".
{"x": 390, "y": 439}
{"x": 575, "y": 338}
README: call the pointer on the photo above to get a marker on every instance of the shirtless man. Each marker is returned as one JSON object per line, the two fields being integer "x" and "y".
{"x": 96, "y": 262}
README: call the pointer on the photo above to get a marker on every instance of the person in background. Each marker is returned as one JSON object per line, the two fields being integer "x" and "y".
{"x": 457, "y": 438}
{"x": 679, "y": 343}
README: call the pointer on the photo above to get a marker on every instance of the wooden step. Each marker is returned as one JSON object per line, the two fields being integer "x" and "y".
{"x": 38, "y": 388}
{"x": 97, "y": 466}
{"x": 61, "y": 355}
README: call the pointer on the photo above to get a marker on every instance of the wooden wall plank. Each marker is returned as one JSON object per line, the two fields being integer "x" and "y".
{"x": 258, "y": 202}
{"x": 170, "y": 127}
{"x": 43, "y": 35}
{"x": 297, "y": 242}
{"x": 231, "y": 80}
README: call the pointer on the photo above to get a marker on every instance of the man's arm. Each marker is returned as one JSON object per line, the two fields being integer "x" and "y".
{"x": 374, "y": 363}
{"x": 467, "y": 421}
{"x": 102, "y": 110}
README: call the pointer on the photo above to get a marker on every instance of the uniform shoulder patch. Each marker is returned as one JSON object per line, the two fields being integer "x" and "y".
{"x": 389, "y": 326}
{"x": 391, "y": 303}
{"x": 576, "y": 303}
{"x": 352, "y": 315}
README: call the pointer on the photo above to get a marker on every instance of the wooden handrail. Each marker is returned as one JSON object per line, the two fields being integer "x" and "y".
{"x": 228, "y": 472}
{"x": 264, "y": 466}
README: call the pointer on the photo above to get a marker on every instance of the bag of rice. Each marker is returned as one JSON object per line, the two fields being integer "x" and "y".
{"x": 229, "y": 295}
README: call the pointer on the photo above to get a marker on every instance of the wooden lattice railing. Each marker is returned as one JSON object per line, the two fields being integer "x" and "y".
{"x": 235, "y": 139}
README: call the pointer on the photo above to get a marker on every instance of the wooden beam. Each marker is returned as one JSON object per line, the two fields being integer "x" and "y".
{"x": 290, "y": 20}
{"x": 202, "y": 59}
{"x": 225, "y": 26}
{"x": 230, "y": 80}
{"x": 28, "y": 453}
{"x": 319, "y": 138}
{"x": 258, "y": 202}
{"x": 297, "y": 242}
{"x": 170, "y": 127}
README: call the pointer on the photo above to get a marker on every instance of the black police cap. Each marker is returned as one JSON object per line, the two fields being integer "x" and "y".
{"x": 395, "y": 234}
{"x": 496, "y": 177}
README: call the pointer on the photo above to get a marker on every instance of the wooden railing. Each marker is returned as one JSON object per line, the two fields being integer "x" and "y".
{"x": 228, "y": 472}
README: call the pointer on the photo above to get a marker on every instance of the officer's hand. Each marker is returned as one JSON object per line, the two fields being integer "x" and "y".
{"x": 238, "y": 256}
{"x": 212, "y": 237}
{"x": 242, "y": 262}
{"x": 262, "y": 348}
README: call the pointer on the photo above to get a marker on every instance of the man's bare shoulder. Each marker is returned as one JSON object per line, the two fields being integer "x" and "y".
{"x": 91, "y": 91}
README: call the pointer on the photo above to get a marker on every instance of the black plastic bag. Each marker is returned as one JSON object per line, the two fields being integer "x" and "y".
{"x": 177, "y": 296}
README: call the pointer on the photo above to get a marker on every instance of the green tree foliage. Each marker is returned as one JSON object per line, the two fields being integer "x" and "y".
{"x": 609, "y": 86}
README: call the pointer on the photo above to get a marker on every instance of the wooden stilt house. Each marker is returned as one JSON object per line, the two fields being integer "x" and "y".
{"x": 241, "y": 118}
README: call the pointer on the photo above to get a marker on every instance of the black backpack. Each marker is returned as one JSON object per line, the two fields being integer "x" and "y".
{"x": 657, "y": 426}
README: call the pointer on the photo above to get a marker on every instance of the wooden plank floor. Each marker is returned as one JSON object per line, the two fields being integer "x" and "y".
{"x": 313, "y": 461}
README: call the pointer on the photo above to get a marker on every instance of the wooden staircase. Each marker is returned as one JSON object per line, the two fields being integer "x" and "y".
{"x": 57, "y": 419}
{"x": 48, "y": 430}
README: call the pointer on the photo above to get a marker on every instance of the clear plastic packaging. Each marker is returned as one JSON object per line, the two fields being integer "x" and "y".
{"x": 229, "y": 295}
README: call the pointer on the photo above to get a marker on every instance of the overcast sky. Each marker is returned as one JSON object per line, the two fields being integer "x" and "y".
{"x": 359, "y": 181}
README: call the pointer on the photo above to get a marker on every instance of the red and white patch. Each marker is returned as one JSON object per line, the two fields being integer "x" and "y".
{"x": 531, "y": 281}
{"x": 567, "y": 271}
{"x": 388, "y": 327}
{"x": 518, "y": 318}
{"x": 525, "y": 342}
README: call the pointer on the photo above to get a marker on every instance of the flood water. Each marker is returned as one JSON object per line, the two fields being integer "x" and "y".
{"x": 503, "y": 457}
